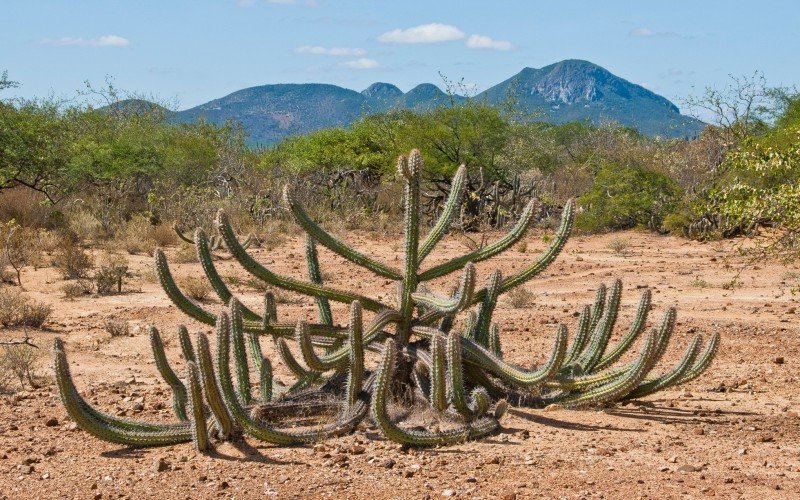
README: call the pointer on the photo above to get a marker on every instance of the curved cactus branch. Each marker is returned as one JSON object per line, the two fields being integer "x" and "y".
{"x": 330, "y": 242}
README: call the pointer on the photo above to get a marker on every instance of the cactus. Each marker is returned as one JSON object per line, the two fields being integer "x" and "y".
{"x": 443, "y": 349}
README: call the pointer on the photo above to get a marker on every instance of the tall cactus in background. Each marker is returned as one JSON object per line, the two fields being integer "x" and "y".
{"x": 441, "y": 350}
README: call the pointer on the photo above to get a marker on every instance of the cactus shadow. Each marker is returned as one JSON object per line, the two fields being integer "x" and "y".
{"x": 667, "y": 415}
{"x": 565, "y": 424}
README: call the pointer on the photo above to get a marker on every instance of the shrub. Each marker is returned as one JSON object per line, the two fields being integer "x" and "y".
{"x": 186, "y": 255}
{"x": 619, "y": 245}
{"x": 18, "y": 248}
{"x": 196, "y": 288}
{"x": 85, "y": 225}
{"x": 19, "y": 361}
{"x": 163, "y": 235}
{"x": 136, "y": 236}
{"x": 74, "y": 289}
{"x": 623, "y": 197}
{"x": 72, "y": 260}
{"x": 109, "y": 276}
{"x": 520, "y": 297}
{"x": 17, "y": 309}
{"x": 116, "y": 327}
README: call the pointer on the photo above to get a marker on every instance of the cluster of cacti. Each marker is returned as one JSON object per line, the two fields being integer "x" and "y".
{"x": 429, "y": 355}
{"x": 214, "y": 242}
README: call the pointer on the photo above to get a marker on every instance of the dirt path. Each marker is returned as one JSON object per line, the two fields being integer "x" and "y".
{"x": 733, "y": 433}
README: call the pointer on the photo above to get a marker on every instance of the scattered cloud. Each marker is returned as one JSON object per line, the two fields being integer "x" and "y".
{"x": 102, "y": 41}
{"x": 361, "y": 63}
{"x": 484, "y": 42}
{"x": 648, "y": 33}
{"x": 330, "y": 51}
{"x": 424, "y": 33}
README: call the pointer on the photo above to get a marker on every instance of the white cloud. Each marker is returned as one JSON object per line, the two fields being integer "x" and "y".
{"x": 102, "y": 41}
{"x": 425, "y": 33}
{"x": 648, "y": 33}
{"x": 330, "y": 51}
{"x": 484, "y": 42}
{"x": 361, "y": 63}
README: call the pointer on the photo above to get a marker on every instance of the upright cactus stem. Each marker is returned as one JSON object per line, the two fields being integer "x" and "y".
{"x": 441, "y": 348}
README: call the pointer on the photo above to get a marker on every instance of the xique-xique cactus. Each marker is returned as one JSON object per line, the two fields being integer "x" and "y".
{"x": 434, "y": 352}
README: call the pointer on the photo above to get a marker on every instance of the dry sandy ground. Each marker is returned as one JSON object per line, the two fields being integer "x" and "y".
{"x": 733, "y": 433}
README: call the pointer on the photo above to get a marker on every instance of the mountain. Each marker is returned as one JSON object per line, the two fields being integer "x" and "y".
{"x": 579, "y": 90}
{"x": 561, "y": 92}
{"x": 381, "y": 96}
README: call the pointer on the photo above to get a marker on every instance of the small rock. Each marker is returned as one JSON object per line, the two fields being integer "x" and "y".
{"x": 51, "y": 422}
{"x": 357, "y": 449}
{"x": 449, "y": 493}
{"x": 26, "y": 469}
{"x": 388, "y": 464}
{"x": 699, "y": 431}
{"x": 688, "y": 468}
{"x": 779, "y": 360}
{"x": 160, "y": 465}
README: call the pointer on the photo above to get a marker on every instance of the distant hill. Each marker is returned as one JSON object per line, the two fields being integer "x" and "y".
{"x": 565, "y": 91}
{"x": 579, "y": 90}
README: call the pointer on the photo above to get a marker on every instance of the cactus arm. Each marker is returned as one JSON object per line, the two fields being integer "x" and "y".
{"x": 413, "y": 437}
{"x": 355, "y": 373}
{"x": 186, "y": 343}
{"x": 664, "y": 332}
{"x": 617, "y": 388}
{"x": 479, "y": 401}
{"x": 598, "y": 306}
{"x": 581, "y": 337}
{"x": 262, "y": 366}
{"x": 210, "y": 270}
{"x": 409, "y": 168}
{"x": 482, "y": 358}
{"x": 258, "y": 429}
{"x": 176, "y": 296}
{"x": 330, "y": 242}
{"x": 181, "y": 235}
{"x": 168, "y": 374}
{"x": 455, "y": 375}
{"x": 486, "y": 311}
{"x": 265, "y": 379}
{"x": 197, "y": 416}
{"x": 312, "y": 360}
{"x": 459, "y": 301}
{"x": 438, "y": 396}
{"x": 494, "y": 341}
{"x": 211, "y": 388}
{"x": 199, "y": 314}
{"x": 487, "y": 252}
{"x": 560, "y": 239}
{"x": 291, "y": 284}
{"x": 239, "y": 352}
{"x": 450, "y": 207}
{"x": 315, "y": 276}
{"x": 670, "y": 377}
{"x": 704, "y": 362}
{"x": 602, "y": 332}
{"x": 371, "y": 333}
{"x": 636, "y": 328}
{"x": 291, "y": 362}
{"x": 106, "y": 427}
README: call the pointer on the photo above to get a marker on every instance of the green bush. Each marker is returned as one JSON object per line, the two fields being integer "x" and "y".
{"x": 624, "y": 197}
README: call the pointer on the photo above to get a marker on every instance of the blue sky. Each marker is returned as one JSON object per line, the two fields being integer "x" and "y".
{"x": 189, "y": 52}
